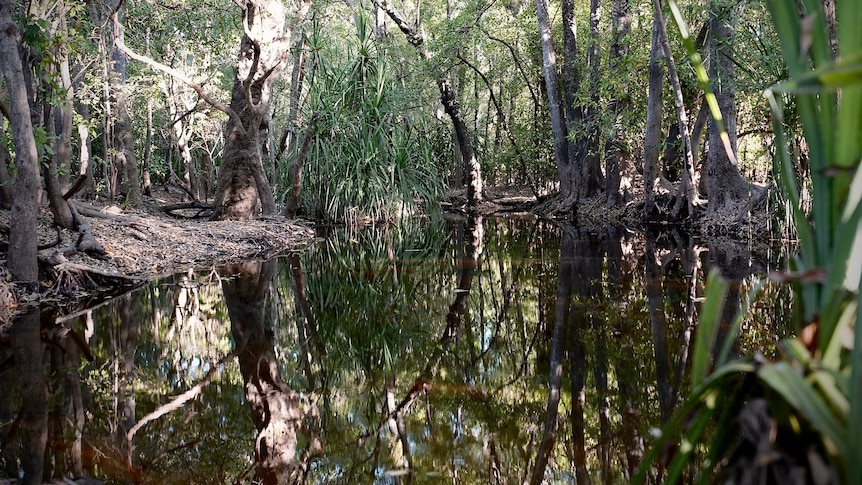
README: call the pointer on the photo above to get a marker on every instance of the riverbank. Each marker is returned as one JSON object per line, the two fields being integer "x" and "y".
{"x": 138, "y": 245}
{"x": 144, "y": 243}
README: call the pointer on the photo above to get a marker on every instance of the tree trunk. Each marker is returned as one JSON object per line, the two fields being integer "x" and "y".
{"x": 621, "y": 23}
{"x": 23, "y": 238}
{"x": 568, "y": 172}
{"x": 450, "y": 103}
{"x": 588, "y": 150}
{"x": 122, "y": 141}
{"x": 724, "y": 184}
{"x": 568, "y": 190}
{"x": 652, "y": 138}
{"x": 687, "y": 192}
{"x": 242, "y": 189}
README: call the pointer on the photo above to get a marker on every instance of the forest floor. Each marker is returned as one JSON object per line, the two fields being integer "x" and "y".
{"x": 145, "y": 243}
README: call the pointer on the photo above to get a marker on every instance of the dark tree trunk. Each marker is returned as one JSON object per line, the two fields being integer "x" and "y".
{"x": 242, "y": 189}
{"x": 621, "y": 23}
{"x": 724, "y": 184}
{"x": 23, "y": 239}
{"x": 652, "y": 138}
{"x": 450, "y": 103}
{"x": 588, "y": 144}
{"x": 569, "y": 173}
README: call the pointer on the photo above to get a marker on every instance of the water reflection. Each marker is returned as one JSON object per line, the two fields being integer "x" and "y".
{"x": 496, "y": 350}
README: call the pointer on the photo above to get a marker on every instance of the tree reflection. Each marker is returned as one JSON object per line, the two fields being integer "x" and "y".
{"x": 481, "y": 351}
{"x": 275, "y": 407}
{"x": 31, "y": 423}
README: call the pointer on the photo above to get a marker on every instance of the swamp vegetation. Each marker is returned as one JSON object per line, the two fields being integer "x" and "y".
{"x": 705, "y": 153}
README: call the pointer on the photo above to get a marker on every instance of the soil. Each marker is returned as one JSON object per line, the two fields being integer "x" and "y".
{"x": 145, "y": 243}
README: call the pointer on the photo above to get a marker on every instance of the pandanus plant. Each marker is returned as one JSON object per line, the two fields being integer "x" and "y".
{"x": 802, "y": 409}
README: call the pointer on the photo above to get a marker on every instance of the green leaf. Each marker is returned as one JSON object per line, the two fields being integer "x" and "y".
{"x": 841, "y": 74}
{"x": 787, "y": 382}
{"x": 704, "y": 341}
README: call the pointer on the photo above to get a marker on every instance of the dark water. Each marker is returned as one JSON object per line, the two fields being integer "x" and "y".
{"x": 495, "y": 351}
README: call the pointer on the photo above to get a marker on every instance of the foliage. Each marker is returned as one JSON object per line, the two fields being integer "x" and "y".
{"x": 812, "y": 390}
{"x": 372, "y": 154}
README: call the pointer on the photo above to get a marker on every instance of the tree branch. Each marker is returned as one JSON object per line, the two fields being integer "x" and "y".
{"x": 121, "y": 44}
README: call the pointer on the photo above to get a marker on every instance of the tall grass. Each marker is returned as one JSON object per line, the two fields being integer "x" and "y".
{"x": 811, "y": 394}
{"x": 372, "y": 155}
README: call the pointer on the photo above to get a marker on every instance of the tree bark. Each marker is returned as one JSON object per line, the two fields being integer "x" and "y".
{"x": 23, "y": 239}
{"x": 621, "y": 24}
{"x": 724, "y": 184}
{"x": 122, "y": 138}
{"x": 242, "y": 189}
{"x": 568, "y": 190}
{"x": 588, "y": 143}
{"x": 687, "y": 192}
{"x": 569, "y": 172}
{"x": 652, "y": 138}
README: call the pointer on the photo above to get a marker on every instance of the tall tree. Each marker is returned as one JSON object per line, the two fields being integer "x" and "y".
{"x": 21, "y": 258}
{"x": 565, "y": 168}
{"x": 120, "y": 136}
{"x": 621, "y": 24}
{"x": 450, "y": 105}
{"x": 242, "y": 188}
{"x": 588, "y": 138}
{"x": 724, "y": 185}
{"x": 652, "y": 137}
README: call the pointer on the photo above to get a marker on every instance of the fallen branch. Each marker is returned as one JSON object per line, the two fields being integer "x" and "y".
{"x": 202, "y": 209}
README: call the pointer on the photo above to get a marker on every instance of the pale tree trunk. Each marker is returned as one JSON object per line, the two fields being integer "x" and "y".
{"x": 687, "y": 193}
{"x": 652, "y": 138}
{"x": 568, "y": 190}
{"x": 21, "y": 258}
{"x": 621, "y": 23}
{"x": 450, "y": 105}
{"x": 724, "y": 185}
{"x": 242, "y": 189}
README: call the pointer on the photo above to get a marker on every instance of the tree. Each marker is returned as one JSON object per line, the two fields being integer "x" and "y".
{"x": 21, "y": 258}
{"x": 242, "y": 188}
{"x": 450, "y": 104}
{"x": 566, "y": 167}
{"x": 724, "y": 184}
{"x": 652, "y": 137}
{"x": 124, "y": 180}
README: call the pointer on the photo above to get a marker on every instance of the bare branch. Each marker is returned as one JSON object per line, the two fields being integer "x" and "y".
{"x": 121, "y": 44}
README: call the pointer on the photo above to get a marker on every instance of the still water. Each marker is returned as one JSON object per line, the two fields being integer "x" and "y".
{"x": 484, "y": 351}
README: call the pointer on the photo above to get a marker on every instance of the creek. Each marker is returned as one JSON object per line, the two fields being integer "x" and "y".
{"x": 482, "y": 351}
